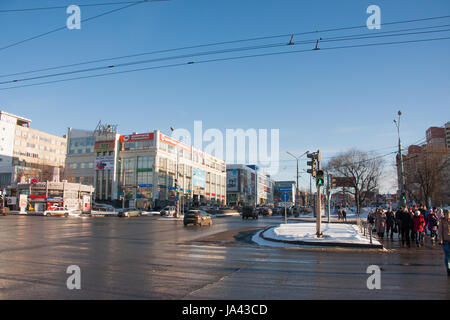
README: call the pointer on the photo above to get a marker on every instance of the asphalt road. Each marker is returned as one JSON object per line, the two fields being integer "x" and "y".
{"x": 150, "y": 258}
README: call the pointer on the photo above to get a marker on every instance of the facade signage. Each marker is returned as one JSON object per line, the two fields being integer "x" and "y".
{"x": 137, "y": 137}
{"x": 174, "y": 143}
{"x": 104, "y": 163}
{"x": 104, "y": 146}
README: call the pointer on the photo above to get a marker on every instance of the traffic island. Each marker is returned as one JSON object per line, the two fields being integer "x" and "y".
{"x": 334, "y": 235}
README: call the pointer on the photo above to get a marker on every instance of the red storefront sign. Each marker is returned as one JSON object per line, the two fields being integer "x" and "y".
{"x": 137, "y": 137}
{"x": 37, "y": 196}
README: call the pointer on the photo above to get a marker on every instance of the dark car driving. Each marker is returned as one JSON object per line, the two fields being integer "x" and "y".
{"x": 249, "y": 212}
{"x": 197, "y": 217}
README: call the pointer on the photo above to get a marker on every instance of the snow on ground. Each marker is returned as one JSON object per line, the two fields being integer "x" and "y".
{"x": 151, "y": 213}
{"x": 334, "y": 233}
{"x": 228, "y": 214}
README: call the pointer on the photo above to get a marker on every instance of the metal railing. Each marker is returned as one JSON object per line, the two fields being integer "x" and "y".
{"x": 365, "y": 228}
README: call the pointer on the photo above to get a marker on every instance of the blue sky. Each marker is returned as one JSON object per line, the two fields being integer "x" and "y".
{"x": 329, "y": 100}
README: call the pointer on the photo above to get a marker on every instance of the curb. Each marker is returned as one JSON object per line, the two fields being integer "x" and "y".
{"x": 321, "y": 244}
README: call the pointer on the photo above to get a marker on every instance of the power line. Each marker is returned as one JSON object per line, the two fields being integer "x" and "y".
{"x": 80, "y": 5}
{"x": 82, "y": 20}
{"x": 237, "y": 41}
{"x": 230, "y": 50}
{"x": 231, "y": 58}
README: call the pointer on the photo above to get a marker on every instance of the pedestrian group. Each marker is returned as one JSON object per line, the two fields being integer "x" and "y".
{"x": 413, "y": 225}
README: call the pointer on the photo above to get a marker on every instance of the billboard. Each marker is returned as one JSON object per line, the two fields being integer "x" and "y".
{"x": 232, "y": 180}
{"x": 198, "y": 178}
{"x": 104, "y": 163}
{"x": 104, "y": 146}
{"x": 137, "y": 137}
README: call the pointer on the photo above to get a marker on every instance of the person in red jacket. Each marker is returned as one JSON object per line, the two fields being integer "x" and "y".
{"x": 419, "y": 225}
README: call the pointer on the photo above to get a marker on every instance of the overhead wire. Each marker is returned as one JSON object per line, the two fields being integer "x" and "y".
{"x": 79, "y": 5}
{"x": 82, "y": 20}
{"x": 232, "y": 41}
{"x": 231, "y": 58}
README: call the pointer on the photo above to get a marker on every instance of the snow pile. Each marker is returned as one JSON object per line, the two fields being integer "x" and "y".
{"x": 306, "y": 232}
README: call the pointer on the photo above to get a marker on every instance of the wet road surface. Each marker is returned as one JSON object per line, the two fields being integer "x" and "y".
{"x": 151, "y": 258}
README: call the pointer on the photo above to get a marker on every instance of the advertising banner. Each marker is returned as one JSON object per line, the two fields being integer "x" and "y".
{"x": 23, "y": 200}
{"x": 232, "y": 180}
{"x": 198, "y": 178}
{"x": 10, "y": 201}
{"x": 104, "y": 163}
{"x": 137, "y": 137}
{"x": 86, "y": 203}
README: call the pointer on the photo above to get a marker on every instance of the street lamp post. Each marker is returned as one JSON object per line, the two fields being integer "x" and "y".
{"x": 176, "y": 184}
{"x": 400, "y": 161}
{"x": 297, "y": 158}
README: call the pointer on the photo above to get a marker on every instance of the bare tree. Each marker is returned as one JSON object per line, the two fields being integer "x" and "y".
{"x": 364, "y": 170}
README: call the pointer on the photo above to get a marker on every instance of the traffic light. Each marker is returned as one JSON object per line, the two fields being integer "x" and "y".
{"x": 319, "y": 178}
{"x": 312, "y": 164}
{"x": 332, "y": 182}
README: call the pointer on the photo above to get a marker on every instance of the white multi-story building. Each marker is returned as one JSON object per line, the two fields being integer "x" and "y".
{"x": 27, "y": 154}
{"x": 150, "y": 163}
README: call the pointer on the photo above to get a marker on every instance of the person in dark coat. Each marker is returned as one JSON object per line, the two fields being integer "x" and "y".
{"x": 344, "y": 215}
{"x": 398, "y": 222}
{"x": 390, "y": 223}
{"x": 406, "y": 223}
{"x": 432, "y": 224}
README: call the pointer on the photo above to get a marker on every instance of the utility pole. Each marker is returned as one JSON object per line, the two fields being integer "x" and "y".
{"x": 400, "y": 163}
{"x": 296, "y": 187}
{"x": 328, "y": 194}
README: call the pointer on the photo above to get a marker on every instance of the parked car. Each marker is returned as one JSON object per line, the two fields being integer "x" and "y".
{"x": 4, "y": 210}
{"x": 57, "y": 211}
{"x": 129, "y": 213}
{"x": 197, "y": 217}
{"x": 249, "y": 212}
{"x": 167, "y": 211}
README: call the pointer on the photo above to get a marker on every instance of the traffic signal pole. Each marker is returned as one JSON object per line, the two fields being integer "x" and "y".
{"x": 319, "y": 175}
{"x": 319, "y": 183}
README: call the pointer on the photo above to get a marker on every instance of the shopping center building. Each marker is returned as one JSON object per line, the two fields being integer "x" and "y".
{"x": 140, "y": 169}
{"x": 148, "y": 164}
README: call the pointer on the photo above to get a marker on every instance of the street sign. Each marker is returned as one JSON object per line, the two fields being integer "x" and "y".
{"x": 285, "y": 204}
{"x": 172, "y": 196}
{"x": 285, "y": 197}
